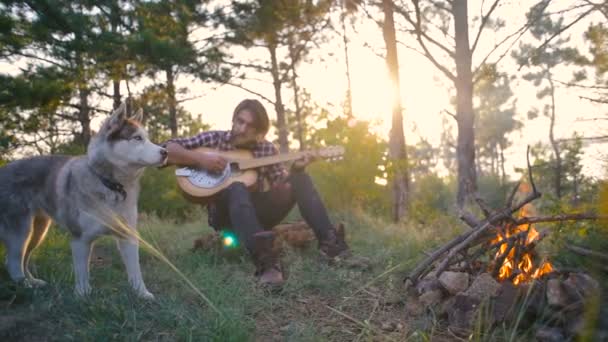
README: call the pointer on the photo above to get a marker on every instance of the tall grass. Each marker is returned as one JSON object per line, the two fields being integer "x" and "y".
{"x": 318, "y": 301}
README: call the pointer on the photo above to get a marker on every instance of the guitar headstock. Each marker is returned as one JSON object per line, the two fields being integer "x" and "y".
{"x": 331, "y": 153}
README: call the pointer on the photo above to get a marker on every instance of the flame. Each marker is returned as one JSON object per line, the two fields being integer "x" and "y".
{"x": 523, "y": 270}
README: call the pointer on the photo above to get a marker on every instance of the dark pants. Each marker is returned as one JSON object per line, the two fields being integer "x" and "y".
{"x": 247, "y": 213}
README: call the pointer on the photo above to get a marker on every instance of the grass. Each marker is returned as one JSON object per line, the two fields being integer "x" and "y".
{"x": 318, "y": 302}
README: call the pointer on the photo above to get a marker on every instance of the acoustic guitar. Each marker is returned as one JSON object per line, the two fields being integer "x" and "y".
{"x": 200, "y": 185}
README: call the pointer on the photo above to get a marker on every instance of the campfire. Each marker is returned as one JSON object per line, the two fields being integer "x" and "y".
{"x": 495, "y": 265}
{"x": 515, "y": 259}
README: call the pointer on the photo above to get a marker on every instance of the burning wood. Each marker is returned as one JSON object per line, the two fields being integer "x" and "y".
{"x": 496, "y": 264}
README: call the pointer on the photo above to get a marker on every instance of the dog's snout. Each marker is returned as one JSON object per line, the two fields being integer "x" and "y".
{"x": 163, "y": 152}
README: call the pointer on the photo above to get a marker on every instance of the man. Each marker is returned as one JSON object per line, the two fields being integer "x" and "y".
{"x": 251, "y": 215}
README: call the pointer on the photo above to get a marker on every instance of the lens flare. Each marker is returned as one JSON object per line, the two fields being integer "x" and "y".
{"x": 229, "y": 240}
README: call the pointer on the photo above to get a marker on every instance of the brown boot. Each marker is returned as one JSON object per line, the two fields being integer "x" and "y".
{"x": 268, "y": 269}
{"x": 335, "y": 245}
{"x": 335, "y": 251}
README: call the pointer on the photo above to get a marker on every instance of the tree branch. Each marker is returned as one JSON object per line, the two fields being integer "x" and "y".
{"x": 250, "y": 91}
{"x": 484, "y": 21}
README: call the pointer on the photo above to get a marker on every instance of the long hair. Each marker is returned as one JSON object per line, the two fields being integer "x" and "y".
{"x": 261, "y": 121}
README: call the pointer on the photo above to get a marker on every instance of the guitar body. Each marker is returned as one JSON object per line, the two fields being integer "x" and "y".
{"x": 200, "y": 194}
{"x": 200, "y": 186}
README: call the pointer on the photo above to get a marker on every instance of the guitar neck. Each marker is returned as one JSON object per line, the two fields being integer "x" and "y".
{"x": 263, "y": 161}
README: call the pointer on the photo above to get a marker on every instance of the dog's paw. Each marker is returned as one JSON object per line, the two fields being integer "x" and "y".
{"x": 83, "y": 291}
{"x": 146, "y": 295}
{"x": 34, "y": 282}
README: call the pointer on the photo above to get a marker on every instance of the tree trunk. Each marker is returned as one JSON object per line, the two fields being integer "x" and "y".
{"x": 465, "y": 148}
{"x": 115, "y": 19}
{"x": 278, "y": 103}
{"x": 83, "y": 116}
{"x": 116, "y": 95}
{"x": 397, "y": 150}
{"x": 83, "y": 111}
{"x": 172, "y": 102}
{"x": 503, "y": 176}
{"x": 348, "y": 106}
{"x": 554, "y": 144}
{"x": 296, "y": 98}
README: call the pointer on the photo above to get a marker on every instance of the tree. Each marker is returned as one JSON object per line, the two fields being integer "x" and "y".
{"x": 272, "y": 26}
{"x": 436, "y": 22}
{"x": 542, "y": 64}
{"x": 496, "y": 120}
{"x": 399, "y": 173}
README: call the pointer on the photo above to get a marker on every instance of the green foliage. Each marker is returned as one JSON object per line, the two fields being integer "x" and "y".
{"x": 161, "y": 196}
{"x": 351, "y": 182}
{"x": 432, "y": 197}
{"x": 154, "y": 101}
{"x": 492, "y": 190}
{"x": 495, "y": 118}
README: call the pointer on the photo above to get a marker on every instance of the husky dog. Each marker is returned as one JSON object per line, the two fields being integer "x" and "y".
{"x": 73, "y": 191}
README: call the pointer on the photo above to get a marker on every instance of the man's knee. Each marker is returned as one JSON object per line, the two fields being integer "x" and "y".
{"x": 300, "y": 179}
{"x": 237, "y": 192}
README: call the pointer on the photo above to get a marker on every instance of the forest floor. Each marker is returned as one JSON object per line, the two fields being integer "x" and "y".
{"x": 318, "y": 302}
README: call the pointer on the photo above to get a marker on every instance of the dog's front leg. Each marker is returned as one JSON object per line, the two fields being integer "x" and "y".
{"x": 129, "y": 251}
{"x": 81, "y": 252}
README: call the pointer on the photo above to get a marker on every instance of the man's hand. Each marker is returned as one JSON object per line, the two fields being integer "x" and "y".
{"x": 212, "y": 162}
{"x": 301, "y": 163}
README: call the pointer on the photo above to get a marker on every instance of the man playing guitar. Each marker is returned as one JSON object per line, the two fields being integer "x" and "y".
{"x": 251, "y": 214}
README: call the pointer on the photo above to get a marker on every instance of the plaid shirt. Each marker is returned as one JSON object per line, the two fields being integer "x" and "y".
{"x": 220, "y": 140}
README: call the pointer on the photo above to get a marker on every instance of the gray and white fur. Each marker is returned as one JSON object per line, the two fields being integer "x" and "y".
{"x": 71, "y": 191}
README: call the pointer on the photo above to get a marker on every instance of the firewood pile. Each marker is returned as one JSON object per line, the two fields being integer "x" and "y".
{"x": 493, "y": 273}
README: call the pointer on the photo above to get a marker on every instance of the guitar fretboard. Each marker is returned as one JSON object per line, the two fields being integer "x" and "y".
{"x": 263, "y": 161}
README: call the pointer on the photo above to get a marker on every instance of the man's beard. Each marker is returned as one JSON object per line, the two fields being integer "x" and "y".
{"x": 244, "y": 144}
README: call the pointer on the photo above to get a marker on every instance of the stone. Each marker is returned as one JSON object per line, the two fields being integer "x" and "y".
{"x": 505, "y": 303}
{"x": 445, "y": 307}
{"x": 549, "y": 334}
{"x": 462, "y": 315}
{"x": 454, "y": 282}
{"x": 430, "y": 298}
{"x": 580, "y": 286}
{"x": 483, "y": 287}
{"x": 413, "y": 307}
{"x": 556, "y": 295}
{"x": 426, "y": 284}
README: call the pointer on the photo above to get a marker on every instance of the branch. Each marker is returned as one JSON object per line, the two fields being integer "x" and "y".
{"x": 484, "y": 21}
{"x": 247, "y": 65}
{"x": 250, "y": 91}
{"x": 560, "y": 218}
{"x": 560, "y": 31}
{"x": 602, "y": 101}
{"x": 602, "y": 137}
{"x": 420, "y": 35}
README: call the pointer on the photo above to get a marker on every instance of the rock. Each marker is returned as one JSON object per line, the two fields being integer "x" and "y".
{"x": 548, "y": 334}
{"x": 505, "y": 303}
{"x": 575, "y": 326}
{"x": 483, "y": 287}
{"x": 413, "y": 307}
{"x": 556, "y": 296}
{"x": 445, "y": 307}
{"x": 428, "y": 283}
{"x": 462, "y": 315}
{"x": 454, "y": 282}
{"x": 580, "y": 286}
{"x": 432, "y": 297}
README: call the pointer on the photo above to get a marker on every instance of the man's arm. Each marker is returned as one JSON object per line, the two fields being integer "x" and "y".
{"x": 178, "y": 155}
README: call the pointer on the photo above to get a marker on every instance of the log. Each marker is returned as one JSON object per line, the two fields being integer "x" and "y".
{"x": 587, "y": 252}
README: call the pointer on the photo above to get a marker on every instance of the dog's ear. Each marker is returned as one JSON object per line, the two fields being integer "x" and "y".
{"x": 139, "y": 116}
{"x": 115, "y": 122}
